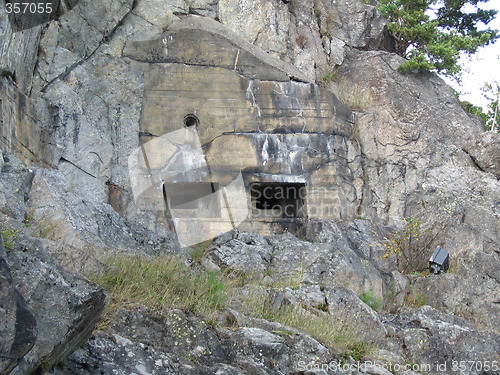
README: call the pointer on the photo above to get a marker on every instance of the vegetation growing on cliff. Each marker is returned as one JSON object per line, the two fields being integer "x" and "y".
{"x": 432, "y": 34}
{"x": 162, "y": 281}
{"x": 166, "y": 282}
{"x": 490, "y": 116}
{"x": 491, "y": 92}
{"x": 10, "y": 237}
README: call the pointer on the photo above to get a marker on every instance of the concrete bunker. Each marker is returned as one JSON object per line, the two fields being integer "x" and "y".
{"x": 278, "y": 200}
{"x": 275, "y": 142}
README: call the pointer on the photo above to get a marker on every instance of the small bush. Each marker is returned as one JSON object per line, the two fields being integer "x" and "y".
{"x": 408, "y": 244}
{"x": 356, "y": 351}
{"x": 10, "y": 237}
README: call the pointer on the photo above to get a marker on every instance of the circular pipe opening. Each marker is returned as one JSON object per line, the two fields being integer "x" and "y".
{"x": 191, "y": 120}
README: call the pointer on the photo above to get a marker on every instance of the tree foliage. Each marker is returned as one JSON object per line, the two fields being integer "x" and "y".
{"x": 491, "y": 92}
{"x": 431, "y": 34}
{"x": 491, "y": 115}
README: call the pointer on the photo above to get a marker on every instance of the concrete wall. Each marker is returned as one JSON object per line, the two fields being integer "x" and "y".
{"x": 281, "y": 131}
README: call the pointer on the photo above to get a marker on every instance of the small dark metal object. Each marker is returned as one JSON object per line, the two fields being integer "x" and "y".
{"x": 440, "y": 261}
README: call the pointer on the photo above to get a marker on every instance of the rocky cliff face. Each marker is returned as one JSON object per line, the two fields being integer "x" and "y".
{"x": 73, "y": 96}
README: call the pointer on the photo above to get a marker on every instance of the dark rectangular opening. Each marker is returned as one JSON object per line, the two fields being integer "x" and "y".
{"x": 190, "y": 196}
{"x": 278, "y": 199}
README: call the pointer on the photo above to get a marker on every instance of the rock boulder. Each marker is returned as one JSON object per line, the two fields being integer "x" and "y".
{"x": 18, "y": 329}
{"x": 66, "y": 307}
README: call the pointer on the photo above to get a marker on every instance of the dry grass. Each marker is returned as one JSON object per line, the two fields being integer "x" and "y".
{"x": 161, "y": 281}
{"x": 339, "y": 338}
{"x": 166, "y": 282}
{"x": 326, "y": 77}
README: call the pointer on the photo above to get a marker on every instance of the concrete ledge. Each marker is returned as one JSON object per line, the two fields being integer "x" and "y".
{"x": 203, "y": 41}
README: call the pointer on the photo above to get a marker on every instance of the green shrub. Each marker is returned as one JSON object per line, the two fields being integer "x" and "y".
{"x": 408, "y": 243}
{"x": 10, "y": 237}
{"x": 356, "y": 351}
{"x": 433, "y": 34}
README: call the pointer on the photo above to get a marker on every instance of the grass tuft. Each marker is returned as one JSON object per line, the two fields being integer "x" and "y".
{"x": 162, "y": 281}
{"x": 199, "y": 250}
{"x": 370, "y": 299}
{"x": 326, "y": 77}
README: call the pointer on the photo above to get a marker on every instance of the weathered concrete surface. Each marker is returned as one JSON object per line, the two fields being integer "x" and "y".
{"x": 404, "y": 158}
{"x": 237, "y": 103}
{"x": 205, "y": 42}
{"x": 96, "y": 157}
{"x": 225, "y": 102}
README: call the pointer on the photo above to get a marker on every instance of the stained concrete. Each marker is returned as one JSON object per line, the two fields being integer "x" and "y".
{"x": 253, "y": 114}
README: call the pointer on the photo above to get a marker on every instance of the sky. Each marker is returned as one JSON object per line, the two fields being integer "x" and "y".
{"x": 482, "y": 67}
